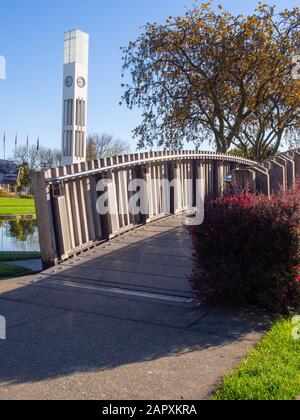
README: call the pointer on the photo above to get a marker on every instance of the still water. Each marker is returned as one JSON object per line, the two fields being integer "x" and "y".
{"x": 19, "y": 235}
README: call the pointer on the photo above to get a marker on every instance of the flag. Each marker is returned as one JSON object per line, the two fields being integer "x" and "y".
{"x": 27, "y": 144}
{"x": 16, "y": 141}
{"x": 38, "y": 144}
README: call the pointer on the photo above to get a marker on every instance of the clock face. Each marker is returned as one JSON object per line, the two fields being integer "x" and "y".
{"x": 69, "y": 81}
{"x": 81, "y": 82}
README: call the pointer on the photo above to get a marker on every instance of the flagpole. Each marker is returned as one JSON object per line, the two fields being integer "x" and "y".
{"x": 4, "y": 144}
{"x": 16, "y": 145}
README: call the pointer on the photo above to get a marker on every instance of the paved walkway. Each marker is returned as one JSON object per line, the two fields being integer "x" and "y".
{"x": 34, "y": 265}
{"x": 120, "y": 322}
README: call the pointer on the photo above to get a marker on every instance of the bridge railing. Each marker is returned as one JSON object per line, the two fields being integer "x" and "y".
{"x": 68, "y": 198}
{"x": 275, "y": 174}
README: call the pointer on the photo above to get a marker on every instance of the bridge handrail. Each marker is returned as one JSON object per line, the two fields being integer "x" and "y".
{"x": 66, "y": 197}
{"x": 184, "y": 155}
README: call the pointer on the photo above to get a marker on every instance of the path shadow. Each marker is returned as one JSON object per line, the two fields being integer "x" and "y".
{"x": 56, "y": 331}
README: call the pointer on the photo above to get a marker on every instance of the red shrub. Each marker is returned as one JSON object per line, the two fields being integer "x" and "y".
{"x": 247, "y": 250}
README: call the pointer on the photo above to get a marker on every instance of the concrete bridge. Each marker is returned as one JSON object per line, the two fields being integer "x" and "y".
{"x": 118, "y": 318}
{"x": 66, "y": 198}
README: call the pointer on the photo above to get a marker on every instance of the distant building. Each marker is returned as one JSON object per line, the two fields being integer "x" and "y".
{"x": 9, "y": 173}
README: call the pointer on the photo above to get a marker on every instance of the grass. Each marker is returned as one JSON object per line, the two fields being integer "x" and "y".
{"x": 7, "y": 270}
{"x": 10, "y": 270}
{"x": 17, "y": 206}
{"x": 17, "y": 256}
{"x": 271, "y": 371}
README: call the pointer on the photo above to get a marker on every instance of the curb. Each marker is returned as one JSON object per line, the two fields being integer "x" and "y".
{"x": 17, "y": 216}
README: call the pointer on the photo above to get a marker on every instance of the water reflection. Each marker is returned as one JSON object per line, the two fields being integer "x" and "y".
{"x": 19, "y": 235}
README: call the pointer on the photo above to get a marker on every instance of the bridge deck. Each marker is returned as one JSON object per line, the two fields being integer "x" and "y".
{"x": 152, "y": 262}
{"x": 120, "y": 322}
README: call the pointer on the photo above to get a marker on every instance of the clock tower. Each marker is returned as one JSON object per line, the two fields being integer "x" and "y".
{"x": 75, "y": 95}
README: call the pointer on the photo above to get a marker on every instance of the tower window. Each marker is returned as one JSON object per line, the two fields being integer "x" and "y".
{"x": 80, "y": 113}
{"x": 67, "y": 143}
{"x": 79, "y": 143}
{"x": 68, "y": 112}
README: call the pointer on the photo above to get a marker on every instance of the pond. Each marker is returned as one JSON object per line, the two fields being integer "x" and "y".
{"x": 18, "y": 235}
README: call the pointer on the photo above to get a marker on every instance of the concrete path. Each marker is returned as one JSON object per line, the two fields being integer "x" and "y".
{"x": 120, "y": 322}
{"x": 34, "y": 265}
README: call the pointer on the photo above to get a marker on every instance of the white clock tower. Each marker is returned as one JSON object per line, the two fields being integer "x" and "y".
{"x": 75, "y": 95}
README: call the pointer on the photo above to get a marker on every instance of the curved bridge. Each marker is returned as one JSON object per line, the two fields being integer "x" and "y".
{"x": 165, "y": 183}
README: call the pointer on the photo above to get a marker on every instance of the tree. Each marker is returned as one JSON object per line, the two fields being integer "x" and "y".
{"x": 215, "y": 76}
{"x": 27, "y": 155}
{"x": 250, "y": 153}
{"x": 31, "y": 159}
{"x": 57, "y": 158}
{"x": 48, "y": 158}
{"x": 104, "y": 145}
{"x": 27, "y": 159}
{"x": 25, "y": 177}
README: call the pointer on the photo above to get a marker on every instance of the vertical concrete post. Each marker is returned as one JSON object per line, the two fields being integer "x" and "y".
{"x": 290, "y": 170}
{"x": 75, "y": 207}
{"x": 155, "y": 190}
{"x": 296, "y": 158}
{"x": 277, "y": 176}
{"x": 89, "y": 209}
{"x": 262, "y": 179}
{"x": 170, "y": 177}
{"x": 177, "y": 184}
{"x": 137, "y": 173}
{"x": 149, "y": 191}
{"x": 112, "y": 219}
{"x": 47, "y": 239}
{"x": 62, "y": 172}
{"x": 60, "y": 219}
{"x": 92, "y": 192}
{"x": 123, "y": 177}
{"x": 62, "y": 227}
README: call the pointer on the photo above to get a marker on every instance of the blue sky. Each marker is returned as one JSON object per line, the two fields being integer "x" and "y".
{"x": 31, "y": 40}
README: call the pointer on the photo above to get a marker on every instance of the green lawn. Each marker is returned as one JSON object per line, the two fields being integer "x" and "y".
{"x": 271, "y": 371}
{"x": 10, "y": 271}
{"x": 17, "y": 206}
{"x": 17, "y": 256}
